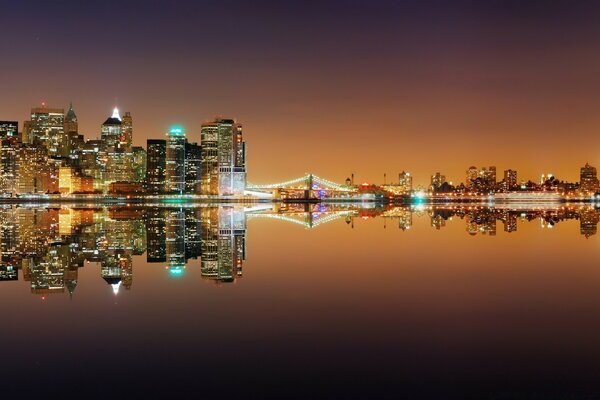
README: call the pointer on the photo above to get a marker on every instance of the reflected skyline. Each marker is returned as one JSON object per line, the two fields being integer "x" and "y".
{"x": 50, "y": 245}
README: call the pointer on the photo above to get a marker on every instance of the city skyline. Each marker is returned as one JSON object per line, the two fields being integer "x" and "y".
{"x": 489, "y": 82}
{"x": 189, "y": 167}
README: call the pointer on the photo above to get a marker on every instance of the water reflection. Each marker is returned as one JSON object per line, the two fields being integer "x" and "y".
{"x": 50, "y": 244}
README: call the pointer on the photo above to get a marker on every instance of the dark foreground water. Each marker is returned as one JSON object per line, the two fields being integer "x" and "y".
{"x": 300, "y": 301}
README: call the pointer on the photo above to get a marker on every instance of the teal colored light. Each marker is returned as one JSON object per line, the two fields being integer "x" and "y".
{"x": 176, "y": 271}
{"x": 176, "y": 131}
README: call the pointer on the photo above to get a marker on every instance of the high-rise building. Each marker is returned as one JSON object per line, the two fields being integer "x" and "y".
{"x": 156, "y": 159}
{"x": 437, "y": 181}
{"x": 111, "y": 130}
{"x": 9, "y": 129}
{"x": 139, "y": 163}
{"x": 193, "y": 157}
{"x": 510, "y": 179}
{"x": 223, "y": 158}
{"x": 9, "y": 146}
{"x": 405, "y": 182}
{"x": 46, "y": 128}
{"x": 175, "y": 161}
{"x": 126, "y": 139}
{"x": 472, "y": 174}
{"x": 119, "y": 157}
{"x": 588, "y": 179}
{"x": 33, "y": 172}
{"x": 70, "y": 124}
{"x": 93, "y": 162}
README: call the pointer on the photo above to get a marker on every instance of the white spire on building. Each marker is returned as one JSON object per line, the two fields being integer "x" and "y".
{"x": 116, "y": 114}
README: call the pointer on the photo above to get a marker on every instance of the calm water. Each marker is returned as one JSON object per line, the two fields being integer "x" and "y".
{"x": 314, "y": 301}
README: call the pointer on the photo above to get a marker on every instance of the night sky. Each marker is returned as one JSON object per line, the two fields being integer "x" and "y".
{"x": 331, "y": 87}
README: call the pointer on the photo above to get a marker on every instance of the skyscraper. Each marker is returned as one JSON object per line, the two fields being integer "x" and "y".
{"x": 8, "y": 165}
{"x": 223, "y": 158}
{"x": 193, "y": 154}
{"x": 588, "y": 179}
{"x": 46, "y": 128}
{"x": 437, "y": 181}
{"x": 33, "y": 172}
{"x": 139, "y": 163}
{"x": 119, "y": 158}
{"x": 9, "y": 129}
{"x": 405, "y": 182}
{"x": 156, "y": 159}
{"x": 111, "y": 130}
{"x": 472, "y": 174}
{"x": 510, "y": 179}
{"x": 126, "y": 139}
{"x": 70, "y": 124}
{"x": 175, "y": 161}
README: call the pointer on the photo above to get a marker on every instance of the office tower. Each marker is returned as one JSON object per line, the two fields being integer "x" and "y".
{"x": 472, "y": 174}
{"x": 223, "y": 158}
{"x": 193, "y": 154}
{"x": 405, "y": 182}
{"x": 510, "y": 179}
{"x": 9, "y": 129}
{"x": 488, "y": 174}
{"x": 156, "y": 159}
{"x": 92, "y": 162}
{"x": 588, "y": 180}
{"x": 119, "y": 158}
{"x": 45, "y": 128}
{"x": 70, "y": 124}
{"x": 33, "y": 174}
{"x": 111, "y": 130}
{"x": 126, "y": 139}
{"x": 8, "y": 165}
{"x": 437, "y": 181}
{"x": 119, "y": 165}
{"x": 139, "y": 163}
{"x": 175, "y": 161}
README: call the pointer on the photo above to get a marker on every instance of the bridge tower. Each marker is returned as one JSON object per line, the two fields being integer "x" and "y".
{"x": 309, "y": 185}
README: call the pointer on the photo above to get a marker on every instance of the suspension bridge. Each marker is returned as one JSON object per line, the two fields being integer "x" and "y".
{"x": 309, "y": 186}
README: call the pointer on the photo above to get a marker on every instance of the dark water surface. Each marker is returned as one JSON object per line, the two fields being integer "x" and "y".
{"x": 300, "y": 301}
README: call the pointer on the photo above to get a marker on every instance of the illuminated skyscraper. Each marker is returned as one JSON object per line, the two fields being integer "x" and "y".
{"x": 70, "y": 124}
{"x": 405, "y": 182}
{"x": 588, "y": 179}
{"x": 8, "y": 165}
{"x": 193, "y": 154}
{"x": 223, "y": 158}
{"x": 111, "y": 130}
{"x": 156, "y": 164}
{"x": 119, "y": 158}
{"x": 32, "y": 168}
{"x": 437, "y": 181}
{"x": 175, "y": 161}
{"x": 472, "y": 174}
{"x": 46, "y": 128}
{"x": 9, "y": 129}
{"x": 510, "y": 179}
{"x": 126, "y": 140}
{"x": 139, "y": 163}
